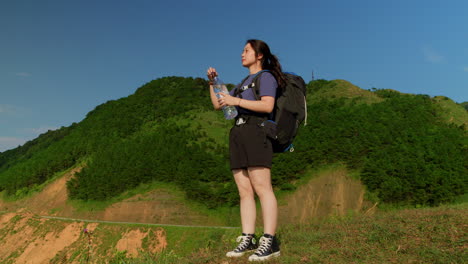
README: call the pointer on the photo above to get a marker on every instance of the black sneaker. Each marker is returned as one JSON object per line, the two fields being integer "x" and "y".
{"x": 268, "y": 248}
{"x": 248, "y": 242}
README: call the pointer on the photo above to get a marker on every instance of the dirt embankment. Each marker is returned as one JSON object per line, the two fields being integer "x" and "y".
{"x": 332, "y": 192}
{"x": 158, "y": 206}
{"x": 27, "y": 238}
{"x": 24, "y": 236}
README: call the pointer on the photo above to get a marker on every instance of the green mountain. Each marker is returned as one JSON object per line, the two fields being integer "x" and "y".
{"x": 465, "y": 105}
{"x": 409, "y": 149}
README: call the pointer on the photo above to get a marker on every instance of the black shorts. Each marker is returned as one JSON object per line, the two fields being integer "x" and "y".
{"x": 249, "y": 146}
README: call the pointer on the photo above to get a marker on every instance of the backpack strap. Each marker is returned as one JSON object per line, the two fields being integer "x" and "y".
{"x": 239, "y": 88}
{"x": 255, "y": 85}
{"x": 256, "y": 92}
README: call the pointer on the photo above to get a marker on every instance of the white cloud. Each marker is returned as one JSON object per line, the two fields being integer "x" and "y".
{"x": 7, "y": 143}
{"x": 6, "y": 109}
{"x": 431, "y": 55}
{"x": 13, "y": 110}
{"x": 23, "y": 74}
{"x": 42, "y": 129}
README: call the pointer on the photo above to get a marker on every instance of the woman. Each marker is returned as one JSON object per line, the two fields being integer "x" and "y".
{"x": 251, "y": 151}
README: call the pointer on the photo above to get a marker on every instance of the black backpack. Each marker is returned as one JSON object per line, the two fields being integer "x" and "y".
{"x": 289, "y": 112}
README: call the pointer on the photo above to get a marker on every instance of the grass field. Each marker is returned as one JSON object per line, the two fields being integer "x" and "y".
{"x": 428, "y": 235}
{"x": 432, "y": 235}
{"x": 424, "y": 235}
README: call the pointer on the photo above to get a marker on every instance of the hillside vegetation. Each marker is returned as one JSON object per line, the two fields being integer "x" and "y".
{"x": 407, "y": 150}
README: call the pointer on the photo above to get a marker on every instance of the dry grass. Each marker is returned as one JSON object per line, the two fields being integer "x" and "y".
{"x": 437, "y": 235}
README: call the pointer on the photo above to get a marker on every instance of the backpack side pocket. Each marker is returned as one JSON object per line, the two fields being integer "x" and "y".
{"x": 270, "y": 129}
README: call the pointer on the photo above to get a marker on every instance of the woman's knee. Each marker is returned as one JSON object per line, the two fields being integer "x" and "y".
{"x": 246, "y": 192}
{"x": 261, "y": 181}
{"x": 243, "y": 184}
{"x": 263, "y": 190}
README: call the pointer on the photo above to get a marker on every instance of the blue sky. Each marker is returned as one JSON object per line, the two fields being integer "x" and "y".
{"x": 59, "y": 59}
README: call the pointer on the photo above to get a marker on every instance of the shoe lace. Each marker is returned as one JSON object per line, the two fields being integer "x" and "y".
{"x": 265, "y": 245}
{"x": 244, "y": 242}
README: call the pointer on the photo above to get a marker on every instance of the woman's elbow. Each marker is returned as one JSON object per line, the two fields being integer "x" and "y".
{"x": 268, "y": 108}
{"x": 268, "y": 104}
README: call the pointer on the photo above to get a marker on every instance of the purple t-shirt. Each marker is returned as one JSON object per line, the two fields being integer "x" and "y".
{"x": 268, "y": 87}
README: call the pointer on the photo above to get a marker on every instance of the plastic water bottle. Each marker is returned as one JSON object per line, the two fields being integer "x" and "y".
{"x": 230, "y": 112}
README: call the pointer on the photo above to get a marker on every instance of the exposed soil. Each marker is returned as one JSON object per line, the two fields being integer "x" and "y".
{"x": 157, "y": 206}
{"x": 54, "y": 196}
{"x": 332, "y": 193}
{"x": 42, "y": 250}
{"x": 6, "y": 218}
{"x": 19, "y": 235}
{"x": 159, "y": 242}
{"x": 27, "y": 238}
{"x": 130, "y": 242}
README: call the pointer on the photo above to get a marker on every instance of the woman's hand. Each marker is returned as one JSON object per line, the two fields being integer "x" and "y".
{"x": 211, "y": 73}
{"x": 227, "y": 99}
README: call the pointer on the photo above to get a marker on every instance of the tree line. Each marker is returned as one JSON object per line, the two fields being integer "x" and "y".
{"x": 405, "y": 152}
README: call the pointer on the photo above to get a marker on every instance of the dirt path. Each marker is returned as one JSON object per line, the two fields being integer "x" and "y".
{"x": 131, "y": 223}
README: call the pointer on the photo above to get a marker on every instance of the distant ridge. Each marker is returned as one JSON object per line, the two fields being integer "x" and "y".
{"x": 334, "y": 89}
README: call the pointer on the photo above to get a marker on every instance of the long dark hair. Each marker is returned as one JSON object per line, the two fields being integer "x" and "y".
{"x": 269, "y": 61}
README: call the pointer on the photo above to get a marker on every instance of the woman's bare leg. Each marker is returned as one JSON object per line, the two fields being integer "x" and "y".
{"x": 247, "y": 201}
{"x": 260, "y": 177}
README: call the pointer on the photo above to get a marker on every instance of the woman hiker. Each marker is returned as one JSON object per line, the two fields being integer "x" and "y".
{"x": 250, "y": 149}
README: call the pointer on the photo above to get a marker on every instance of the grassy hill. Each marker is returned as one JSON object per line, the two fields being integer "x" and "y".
{"x": 465, "y": 105}
{"x": 451, "y": 111}
{"x": 406, "y": 147}
{"x": 338, "y": 89}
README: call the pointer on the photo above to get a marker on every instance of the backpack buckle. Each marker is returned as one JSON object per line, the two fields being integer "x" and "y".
{"x": 241, "y": 121}
{"x": 246, "y": 87}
